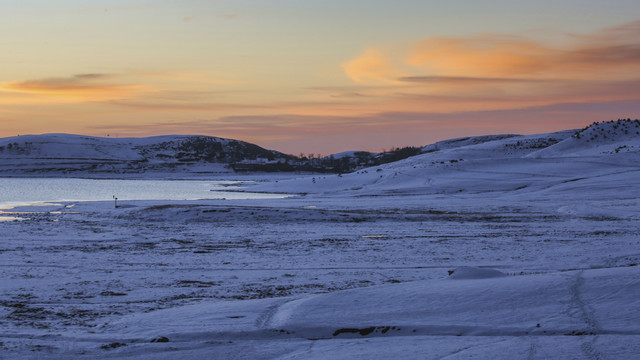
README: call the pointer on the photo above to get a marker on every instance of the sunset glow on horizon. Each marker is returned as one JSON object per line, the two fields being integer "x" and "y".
{"x": 316, "y": 76}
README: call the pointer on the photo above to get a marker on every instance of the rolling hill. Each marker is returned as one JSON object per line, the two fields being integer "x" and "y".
{"x": 499, "y": 163}
{"x": 65, "y": 154}
{"x": 612, "y": 142}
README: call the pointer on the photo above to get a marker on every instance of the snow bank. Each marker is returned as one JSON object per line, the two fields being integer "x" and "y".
{"x": 574, "y": 309}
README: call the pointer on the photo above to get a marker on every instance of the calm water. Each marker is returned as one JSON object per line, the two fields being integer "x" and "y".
{"x": 27, "y": 191}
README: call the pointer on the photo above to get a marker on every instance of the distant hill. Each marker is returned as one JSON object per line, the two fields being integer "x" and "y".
{"x": 88, "y": 156}
{"x": 184, "y": 155}
{"x": 603, "y": 155}
{"x": 65, "y": 154}
{"x": 608, "y": 137}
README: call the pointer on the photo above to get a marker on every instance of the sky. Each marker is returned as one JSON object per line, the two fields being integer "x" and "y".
{"x": 303, "y": 76}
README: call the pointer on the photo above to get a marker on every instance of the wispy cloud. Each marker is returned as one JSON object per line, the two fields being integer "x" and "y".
{"x": 349, "y": 95}
{"x": 371, "y": 66}
{"x": 93, "y": 76}
{"x": 488, "y": 55}
{"x": 498, "y": 72}
{"x": 463, "y": 80}
{"x": 507, "y": 56}
{"x": 81, "y": 86}
{"x": 496, "y": 56}
{"x": 184, "y": 105}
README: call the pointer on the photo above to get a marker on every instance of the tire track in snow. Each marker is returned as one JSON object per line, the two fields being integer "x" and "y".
{"x": 461, "y": 350}
{"x": 533, "y": 348}
{"x": 300, "y": 354}
{"x": 587, "y": 315}
{"x": 266, "y": 319}
{"x": 585, "y": 311}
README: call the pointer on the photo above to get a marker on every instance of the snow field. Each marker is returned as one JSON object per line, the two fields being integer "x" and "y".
{"x": 522, "y": 248}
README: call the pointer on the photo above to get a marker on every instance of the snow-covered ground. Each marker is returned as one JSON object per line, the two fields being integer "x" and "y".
{"x": 506, "y": 247}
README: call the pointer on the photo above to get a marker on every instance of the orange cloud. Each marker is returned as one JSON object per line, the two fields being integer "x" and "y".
{"x": 497, "y": 72}
{"x": 480, "y": 56}
{"x": 609, "y": 51}
{"x": 371, "y": 66}
{"x": 464, "y": 80}
{"x": 78, "y": 87}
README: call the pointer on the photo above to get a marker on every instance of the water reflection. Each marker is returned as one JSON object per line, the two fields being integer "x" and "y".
{"x": 11, "y": 218}
{"x": 22, "y": 191}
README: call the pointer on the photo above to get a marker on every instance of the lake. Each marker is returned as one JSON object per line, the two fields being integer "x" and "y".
{"x": 23, "y": 191}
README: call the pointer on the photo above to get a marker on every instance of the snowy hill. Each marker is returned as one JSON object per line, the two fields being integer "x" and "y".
{"x": 460, "y": 142}
{"x": 441, "y": 162}
{"x": 602, "y": 138}
{"x": 65, "y": 154}
{"x": 494, "y": 163}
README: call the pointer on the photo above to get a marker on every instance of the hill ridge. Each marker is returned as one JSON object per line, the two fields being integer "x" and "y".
{"x": 59, "y": 154}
